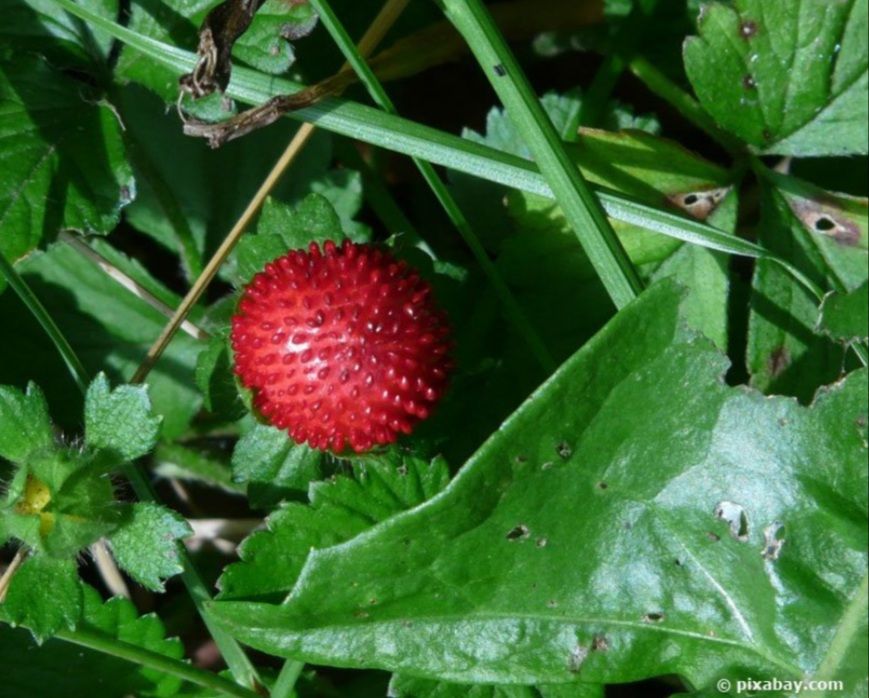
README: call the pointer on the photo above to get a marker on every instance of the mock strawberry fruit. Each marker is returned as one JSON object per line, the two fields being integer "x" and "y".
{"x": 341, "y": 347}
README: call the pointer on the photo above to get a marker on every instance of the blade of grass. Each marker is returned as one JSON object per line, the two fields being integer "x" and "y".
{"x": 581, "y": 209}
{"x": 399, "y": 135}
{"x": 153, "y": 660}
{"x": 34, "y": 305}
{"x": 375, "y": 88}
{"x": 375, "y": 127}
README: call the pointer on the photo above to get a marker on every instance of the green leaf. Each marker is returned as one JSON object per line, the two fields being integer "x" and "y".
{"x": 282, "y": 228}
{"x": 25, "y": 425}
{"x": 146, "y": 544}
{"x": 45, "y": 596}
{"x": 120, "y": 420}
{"x": 118, "y": 618}
{"x": 37, "y": 26}
{"x": 61, "y": 668}
{"x": 784, "y": 354}
{"x": 788, "y": 77}
{"x": 580, "y": 545}
{"x": 265, "y": 45}
{"x": 845, "y": 316}
{"x": 706, "y": 276}
{"x": 378, "y": 487}
{"x": 214, "y": 377}
{"x": 410, "y": 687}
{"x": 109, "y": 328}
{"x": 273, "y": 466}
{"x": 836, "y": 228}
{"x": 62, "y": 158}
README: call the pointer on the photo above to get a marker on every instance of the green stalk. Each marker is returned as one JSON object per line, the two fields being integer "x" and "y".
{"x": 581, "y": 208}
{"x": 34, "y": 305}
{"x": 286, "y": 681}
{"x": 659, "y": 84}
{"x": 375, "y": 88}
{"x": 595, "y": 99}
{"x": 237, "y": 661}
{"x": 153, "y": 660}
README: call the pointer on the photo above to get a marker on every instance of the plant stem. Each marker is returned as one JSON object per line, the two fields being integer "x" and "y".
{"x": 375, "y": 88}
{"x": 76, "y": 370}
{"x": 153, "y": 660}
{"x": 130, "y": 284}
{"x": 581, "y": 207}
{"x": 237, "y": 661}
{"x": 659, "y": 84}
{"x": 10, "y": 571}
{"x": 287, "y": 679}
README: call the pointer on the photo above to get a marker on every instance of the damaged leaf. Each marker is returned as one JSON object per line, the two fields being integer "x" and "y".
{"x": 630, "y": 584}
{"x": 787, "y": 77}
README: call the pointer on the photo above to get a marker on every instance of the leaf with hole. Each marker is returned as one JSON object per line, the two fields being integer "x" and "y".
{"x": 784, "y": 354}
{"x": 490, "y": 582}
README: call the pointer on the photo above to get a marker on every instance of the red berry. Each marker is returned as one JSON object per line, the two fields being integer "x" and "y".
{"x": 343, "y": 347}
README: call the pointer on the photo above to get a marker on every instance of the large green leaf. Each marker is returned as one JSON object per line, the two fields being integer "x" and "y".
{"x": 61, "y": 157}
{"x": 409, "y": 687}
{"x": 109, "y": 328}
{"x": 636, "y": 517}
{"x": 787, "y": 76}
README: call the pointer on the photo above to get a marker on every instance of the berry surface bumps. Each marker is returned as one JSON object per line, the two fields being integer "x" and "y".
{"x": 342, "y": 347}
